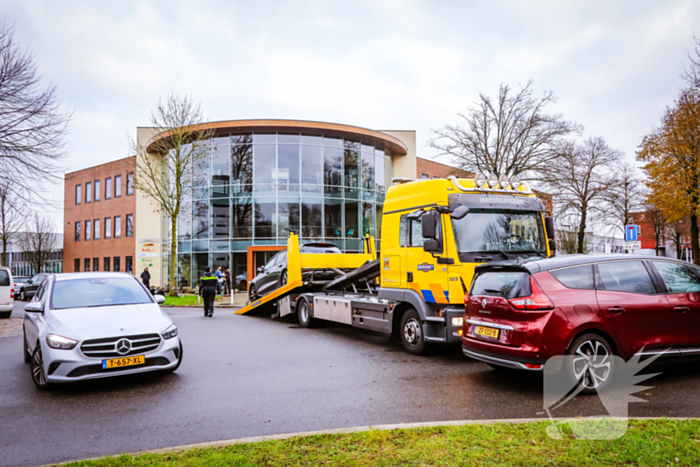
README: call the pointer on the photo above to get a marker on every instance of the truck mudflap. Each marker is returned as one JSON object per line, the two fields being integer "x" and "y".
{"x": 297, "y": 261}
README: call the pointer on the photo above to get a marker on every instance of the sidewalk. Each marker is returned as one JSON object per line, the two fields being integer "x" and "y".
{"x": 10, "y": 327}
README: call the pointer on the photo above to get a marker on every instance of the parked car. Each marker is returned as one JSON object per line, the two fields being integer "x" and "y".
{"x": 95, "y": 325}
{"x": 6, "y": 292}
{"x": 519, "y": 314}
{"x": 26, "y": 290}
{"x": 18, "y": 281}
{"x": 273, "y": 275}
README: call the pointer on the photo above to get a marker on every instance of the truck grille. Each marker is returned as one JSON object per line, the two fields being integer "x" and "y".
{"x": 107, "y": 347}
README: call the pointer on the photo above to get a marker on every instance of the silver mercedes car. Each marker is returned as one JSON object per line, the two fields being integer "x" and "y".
{"x": 94, "y": 325}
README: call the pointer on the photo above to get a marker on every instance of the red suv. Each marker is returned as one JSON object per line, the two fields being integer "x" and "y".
{"x": 519, "y": 314}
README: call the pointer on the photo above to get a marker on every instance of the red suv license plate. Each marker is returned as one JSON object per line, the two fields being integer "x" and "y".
{"x": 491, "y": 333}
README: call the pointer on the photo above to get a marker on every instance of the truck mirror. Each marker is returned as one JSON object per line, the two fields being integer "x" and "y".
{"x": 549, "y": 227}
{"x": 429, "y": 224}
{"x": 459, "y": 212}
{"x": 552, "y": 246}
{"x": 431, "y": 246}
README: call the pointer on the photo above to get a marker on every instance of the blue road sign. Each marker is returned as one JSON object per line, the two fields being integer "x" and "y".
{"x": 632, "y": 233}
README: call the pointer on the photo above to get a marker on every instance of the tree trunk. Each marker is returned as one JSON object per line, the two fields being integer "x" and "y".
{"x": 694, "y": 238}
{"x": 173, "y": 255}
{"x": 678, "y": 247}
{"x": 4, "y": 253}
{"x": 581, "y": 234}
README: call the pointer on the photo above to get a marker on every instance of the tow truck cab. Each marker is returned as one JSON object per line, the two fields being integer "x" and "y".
{"x": 435, "y": 232}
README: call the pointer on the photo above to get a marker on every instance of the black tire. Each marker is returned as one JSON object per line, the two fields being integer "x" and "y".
{"x": 5, "y": 314}
{"x": 179, "y": 361}
{"x": 27, "y": 355}
{"x": 37, "y": 369}
{"x": 303, "y": 313}
{"x": 22, "y": 296}
{"x": 252, "y": 293}
{"x": 600, "y": 361}
{"x": 411, "y": 332}
{"x": 283, "y": 278}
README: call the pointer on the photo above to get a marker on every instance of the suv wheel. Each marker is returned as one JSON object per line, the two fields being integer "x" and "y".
{"x": 411, "y": 330}
{"x": 590, "y": 363}
{"x": 252, "y": 295}
{"x": 38, "y": 373}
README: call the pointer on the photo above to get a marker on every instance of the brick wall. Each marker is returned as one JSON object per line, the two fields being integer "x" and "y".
{"x": 106, "y": 207}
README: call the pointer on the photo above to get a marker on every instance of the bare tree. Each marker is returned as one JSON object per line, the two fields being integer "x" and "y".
{"x": 579, "y": 180}
{"x": 32, "y": 127}
{"x": 509, "y": 135}
{"x": 659, "y": 223}
{"x": 39, "y": 242}
{"x": 169, "y": 177}
{"x": 11, "y": 217}
{"x": 626, "y": 195}
{"x": 567, "y": 238}
{"x": 676, "y": 232}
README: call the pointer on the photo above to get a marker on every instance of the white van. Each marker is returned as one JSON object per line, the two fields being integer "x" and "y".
{"x": 6, "y": 292}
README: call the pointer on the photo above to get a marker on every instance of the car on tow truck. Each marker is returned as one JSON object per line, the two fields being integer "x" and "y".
{"x": 518, "y": 314}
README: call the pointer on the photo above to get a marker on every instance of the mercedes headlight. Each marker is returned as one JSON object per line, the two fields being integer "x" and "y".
{"x": 59, "y": 342}
{"x": 503, "y": 181}
{"x": 493, "y": 180}
{"x": 480, "y": 180}
{"x": 170, "y": 332}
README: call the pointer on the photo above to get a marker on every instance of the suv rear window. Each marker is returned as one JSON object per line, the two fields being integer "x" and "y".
{"x": 579, "y": 277}
{"x": 503, "y": 284}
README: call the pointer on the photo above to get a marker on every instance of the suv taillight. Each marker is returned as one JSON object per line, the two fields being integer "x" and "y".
{"x": 466, "y": 298}
{"x": 537, "y": 300}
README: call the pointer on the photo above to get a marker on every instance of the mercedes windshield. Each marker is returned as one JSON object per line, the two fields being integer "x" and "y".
{"x": 498, "y": 234}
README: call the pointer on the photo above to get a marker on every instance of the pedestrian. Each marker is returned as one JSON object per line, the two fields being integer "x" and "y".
{"x": 146, "y": 278}
{"x": 208, "y": 285}
{"x": 227, "y": 280}
{"x": 220, "y": 280}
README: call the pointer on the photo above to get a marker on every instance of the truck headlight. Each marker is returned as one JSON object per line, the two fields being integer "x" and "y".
{"x": 170, "y": 332}
{"x": 457, "y": 322}
{"x": 59, "y": 342}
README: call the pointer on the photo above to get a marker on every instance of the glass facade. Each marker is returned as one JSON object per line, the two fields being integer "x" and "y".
{"x": 254, "y": 189}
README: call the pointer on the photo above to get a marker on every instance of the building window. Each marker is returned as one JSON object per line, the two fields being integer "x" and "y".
{"x": 78, "y": 194}
{"x": 87, "y": 264}
{"x": 97, "y": 190}
{"x": 96, "y": 226}
{"x": 95, "y": 264}
{"x": 117, "y": 226}
{"x": 116, "y": 264}
{"x": 129, "y": 264}
{"x": 108, "y": 227}
{"x": 108, "y": 188}
{"x": 130, "y": 183}
{"x": 88, "y": 229}
{"x": 76, "y": 265}
{"x": 117, "y": 186}
{"x": 77, "y": 231}
{"x": 88, "y": 192}
{"x": 424, "y": 176}
{"x": 105, "y": 263}
{"x": 129, "y": 225}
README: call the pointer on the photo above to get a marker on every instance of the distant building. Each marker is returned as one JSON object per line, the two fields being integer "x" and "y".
{"x": 17, "y": 259}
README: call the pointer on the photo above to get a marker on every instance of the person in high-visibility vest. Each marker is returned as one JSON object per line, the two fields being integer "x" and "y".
{"x": 208, "y": 285}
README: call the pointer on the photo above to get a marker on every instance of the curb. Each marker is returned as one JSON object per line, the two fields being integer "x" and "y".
{"x": 357, "y": 429}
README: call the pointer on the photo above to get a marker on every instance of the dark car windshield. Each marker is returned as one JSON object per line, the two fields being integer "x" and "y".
{"x": 86, "y": 293}
{"x": 499, "y": 231}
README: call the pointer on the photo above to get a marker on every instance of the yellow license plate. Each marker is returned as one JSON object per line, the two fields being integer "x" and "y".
{"x": 487, "y": 332}
{"x": 122, "y": 362}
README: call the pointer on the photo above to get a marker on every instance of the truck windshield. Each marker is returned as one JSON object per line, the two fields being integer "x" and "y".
{"x": 496, "y": 231}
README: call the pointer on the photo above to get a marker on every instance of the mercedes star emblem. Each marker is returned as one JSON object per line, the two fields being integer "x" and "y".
{"x": 123, "y": 346}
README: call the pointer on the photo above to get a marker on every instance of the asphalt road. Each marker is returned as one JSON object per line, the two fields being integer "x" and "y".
{"x": 247, "y": 376}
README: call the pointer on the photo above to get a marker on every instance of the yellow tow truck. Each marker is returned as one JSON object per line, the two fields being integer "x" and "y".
{"x": 433, "y": 234}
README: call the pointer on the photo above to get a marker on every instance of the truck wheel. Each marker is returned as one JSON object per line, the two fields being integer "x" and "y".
{"x": 303, "y": 313}
{"x": 412, "y": 332}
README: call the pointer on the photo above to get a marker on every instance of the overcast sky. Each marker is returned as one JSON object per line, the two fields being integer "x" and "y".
{"x": 400, "y": 64}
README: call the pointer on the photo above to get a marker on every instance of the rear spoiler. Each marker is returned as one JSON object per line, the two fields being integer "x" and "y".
{"x": 529, "y": 267}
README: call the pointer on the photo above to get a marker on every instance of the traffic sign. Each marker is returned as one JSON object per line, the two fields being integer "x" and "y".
{"x": 633, "y": 246}
{"x": 632, "y": 233}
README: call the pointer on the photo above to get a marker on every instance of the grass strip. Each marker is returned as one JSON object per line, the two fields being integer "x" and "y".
{"x": 646, "y": 443}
